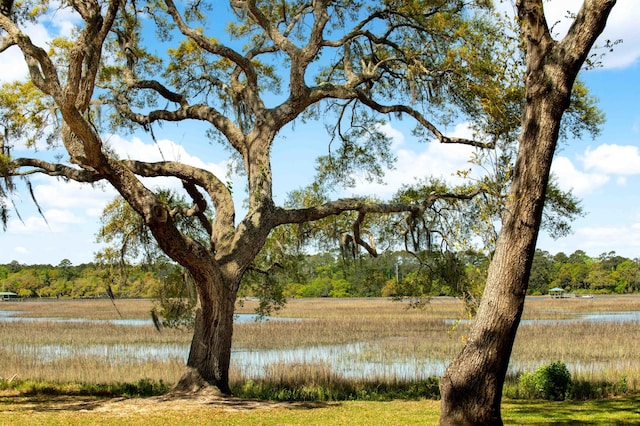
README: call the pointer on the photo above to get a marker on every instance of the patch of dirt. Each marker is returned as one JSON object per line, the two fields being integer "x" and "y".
{"x": 181, "y": 402}
{"x": 189, "y": 402}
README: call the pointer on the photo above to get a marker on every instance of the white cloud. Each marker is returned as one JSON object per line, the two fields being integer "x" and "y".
{"x": 623, "y": 238}
{"x": 613, "y": 159}
{"x": 58, "y": 22}
{"x": 599, "y": 166}
{"x": 63, "y": 20}
{"x": 56, "y": 221}
{"x": 62, "y": 217}
{"x": 571, "y": 178}
{"x": 14, "y": 66}
{"x": 30, "y": 225}
{"x": 606, "y": 238}
{"x": 435, "y": 159}
{"x": 396, "y": 136}
{"x": 71, "y": 195}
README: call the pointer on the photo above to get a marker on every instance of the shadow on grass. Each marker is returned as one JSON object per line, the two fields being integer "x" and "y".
{"x": 614, "y": 411}
{"x": 52, "y": 403}
{"x": 72, "y": 401}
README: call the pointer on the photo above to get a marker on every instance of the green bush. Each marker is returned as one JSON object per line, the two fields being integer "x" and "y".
{"x": 551, "y": 382}
{"x": 588, "y": 390}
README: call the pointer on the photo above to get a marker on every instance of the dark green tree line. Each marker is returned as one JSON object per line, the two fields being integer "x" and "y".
{"x": 390, "y": 274}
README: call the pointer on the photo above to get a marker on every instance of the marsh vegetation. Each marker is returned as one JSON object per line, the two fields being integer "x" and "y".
{"x": 339, "y": 345}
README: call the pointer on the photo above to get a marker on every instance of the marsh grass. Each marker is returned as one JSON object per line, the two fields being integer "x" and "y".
{"x": 542, "y": 307}
{"x": 84, "y": 333}
{"x": 31, "y": 350}
{"x": 318, "y": 382}
{"x": 379, "y": 308}
{"x": 82, "y": 308}
{"x": 603, "y": 357}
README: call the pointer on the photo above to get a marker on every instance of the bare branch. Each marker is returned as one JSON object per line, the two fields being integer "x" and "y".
{"x": 162, "y": 90}
{"x": 389, "y": 109}
{"x": 370, "y": 248}
{"x": 52, "y": 169}
{"x": 287, "y": 216}
{"x": 200, "y": 204}
{"x": 281, "y": 41}
{"x": 217, "y": 191}
{"x": 196, "y": 112}
{"x": 331, "y": 208}
{"x": 41, "y": 69}
{"x": 592, "y": 15}
{"x": 266, "y": 271}
{"x": 5, "y": 43}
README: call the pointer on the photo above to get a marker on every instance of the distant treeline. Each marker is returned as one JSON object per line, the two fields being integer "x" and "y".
{"x": 331, "y": 275}
{"x": 87, "y": 280}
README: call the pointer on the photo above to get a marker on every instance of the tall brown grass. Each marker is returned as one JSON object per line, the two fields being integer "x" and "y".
{"x": 387, "y": 332}
{"x": 81, "y": 308}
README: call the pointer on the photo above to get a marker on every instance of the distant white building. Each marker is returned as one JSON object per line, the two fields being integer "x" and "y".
{"x": 556, "y": 293}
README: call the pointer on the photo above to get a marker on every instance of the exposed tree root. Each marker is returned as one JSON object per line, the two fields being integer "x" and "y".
{"x": 192, "y": 383}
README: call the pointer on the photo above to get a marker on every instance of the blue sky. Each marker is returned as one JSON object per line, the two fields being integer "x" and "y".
{"x": 604, "y": 173}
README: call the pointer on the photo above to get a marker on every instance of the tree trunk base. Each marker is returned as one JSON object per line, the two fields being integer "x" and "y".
{"x": 461, "y": 418}
{"x": 192, "y": 383}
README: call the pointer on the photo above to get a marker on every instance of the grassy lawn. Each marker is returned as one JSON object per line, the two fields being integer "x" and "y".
{"x": 150, "y": 411}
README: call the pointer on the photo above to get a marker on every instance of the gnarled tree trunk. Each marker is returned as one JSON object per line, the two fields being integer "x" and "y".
{"x": 210, "y": 352}
{"x": 472, "y": 385}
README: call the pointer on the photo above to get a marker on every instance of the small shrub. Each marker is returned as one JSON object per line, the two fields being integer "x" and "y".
{"x": 527, "y": 386}
{"x": 551, "y": 382}
{"x": 556, "y": 381}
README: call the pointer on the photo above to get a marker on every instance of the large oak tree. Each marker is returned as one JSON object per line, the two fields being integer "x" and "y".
{"x": 351, "y": 64}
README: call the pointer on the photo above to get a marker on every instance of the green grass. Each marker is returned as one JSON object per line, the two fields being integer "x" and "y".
{"x": 615, "y": 411}
{"x": 619, "y": 411}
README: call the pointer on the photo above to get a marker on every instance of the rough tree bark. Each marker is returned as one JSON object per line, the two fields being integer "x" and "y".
{"x": 472, "y": 385}
{"x": 210, "y": 353}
